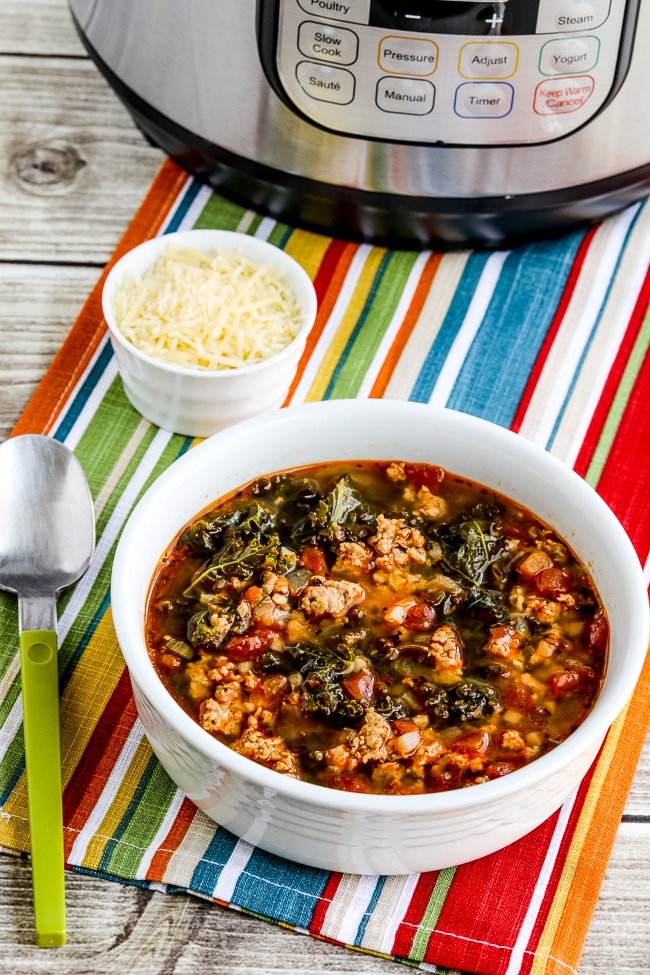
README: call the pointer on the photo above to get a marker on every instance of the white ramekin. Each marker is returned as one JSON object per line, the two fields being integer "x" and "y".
{"x": 199, "y": 402}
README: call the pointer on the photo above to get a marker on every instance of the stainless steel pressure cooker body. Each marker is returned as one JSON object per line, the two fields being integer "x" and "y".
{"x": 401, "y": 121}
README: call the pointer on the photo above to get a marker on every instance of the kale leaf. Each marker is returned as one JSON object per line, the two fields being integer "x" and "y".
{"x": 465, "y": 701}
{"x": 470, "y": 548}
{"x": 310, "y": 517}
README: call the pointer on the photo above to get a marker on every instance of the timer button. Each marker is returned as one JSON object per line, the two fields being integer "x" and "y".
{"x": 558, "y": 96}
{"x": 326, "y": 83}
{"x": 488, "y": 59}
{"x": 569, "y": 55}
{"x": 484, "y": 99}
{"x": 559, "y": 16}
{"x": 408, "y": 55}
{"x": 324, "y": 42}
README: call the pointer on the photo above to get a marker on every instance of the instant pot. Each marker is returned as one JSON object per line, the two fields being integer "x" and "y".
{"x": 397, "y": 121}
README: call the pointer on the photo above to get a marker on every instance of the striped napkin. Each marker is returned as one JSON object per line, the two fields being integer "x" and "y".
{"x": 548, "y": 339}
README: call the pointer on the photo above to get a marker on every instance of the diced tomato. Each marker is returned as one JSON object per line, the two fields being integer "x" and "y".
{"x": 348, "y": 783}
{"x": 550, "y": 582}
{"x": 497, "y": 769}
{"x": 314, "y": 560}
{"x": 169, "y": 661}
{"x": 427, "y": 476}
{"x": 563, "y": 682}
{"x": 360, "y": 686}
{"x": 598, "y": 630}
{"x": 533, "y": 564}
{"x": 251, "y": 645}
{"x": 475, "y": 741}
{"x": 420, "y": 617}
{"x": 518, "y": 697}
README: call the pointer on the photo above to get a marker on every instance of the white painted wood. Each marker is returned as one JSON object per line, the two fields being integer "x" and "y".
{"x": 73, "y": 169}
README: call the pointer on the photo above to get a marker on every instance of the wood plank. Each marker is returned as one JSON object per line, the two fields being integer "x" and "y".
{"x": 39, "y": 306}
{"x": 75, "y": 167}
{"x": 38, "y": 27}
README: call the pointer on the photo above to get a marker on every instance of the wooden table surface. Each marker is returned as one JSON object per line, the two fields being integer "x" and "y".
{"x": 73, "y": 169}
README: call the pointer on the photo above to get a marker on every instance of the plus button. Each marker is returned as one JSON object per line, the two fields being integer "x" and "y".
{"x": 494, "y": 20}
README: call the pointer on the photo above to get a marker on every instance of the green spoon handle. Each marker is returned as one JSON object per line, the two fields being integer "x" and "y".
{"x": 38, "y": 658}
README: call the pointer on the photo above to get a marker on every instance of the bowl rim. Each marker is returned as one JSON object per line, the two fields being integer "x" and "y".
{"x": 588, "y": 735}
{"x": 229, "y": 240}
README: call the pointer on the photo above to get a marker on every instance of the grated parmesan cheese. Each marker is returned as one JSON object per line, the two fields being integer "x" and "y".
{"x": 215, "y": 310}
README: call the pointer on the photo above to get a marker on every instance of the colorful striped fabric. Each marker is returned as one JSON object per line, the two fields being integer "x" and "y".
{"x": 549, "y": 339}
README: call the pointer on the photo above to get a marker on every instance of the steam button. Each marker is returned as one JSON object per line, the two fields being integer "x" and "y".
{"x": 325, "y": 42}
{"x": 560, "y": 16}
{"x": 326, "y": 83}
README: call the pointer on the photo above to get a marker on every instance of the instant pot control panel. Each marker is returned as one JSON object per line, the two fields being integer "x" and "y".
{"x": 448, "y": 72}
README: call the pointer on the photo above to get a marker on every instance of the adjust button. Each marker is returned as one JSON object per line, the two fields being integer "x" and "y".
{"x": 488, "y": 59}
{"x": 408, "y": 55}
{"x": 325, "y": 83}
{"x": 569, "y": 55}
{"x": 405, "y": 96}
{"x": 324, "y": 42}
{"x": 484, "y": 99}
{"x": 560, "y": 16}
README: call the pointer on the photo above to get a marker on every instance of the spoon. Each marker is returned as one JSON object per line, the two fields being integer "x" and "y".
{"x": 47, "y": 540}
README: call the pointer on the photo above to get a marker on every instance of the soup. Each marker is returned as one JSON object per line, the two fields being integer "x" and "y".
{"x": 379, "y": 627}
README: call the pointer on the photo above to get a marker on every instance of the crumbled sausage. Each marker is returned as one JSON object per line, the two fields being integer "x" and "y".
{"x": 446, "y": 648}
{"x": 512, "y": 741}
{"x": 367, "y": 744}
{"x": 429, "y": 504}
{"x": 398, "y": 544}
{"x": 352, "y": 556}
{"x": 396, "y": 472}
{"x": 331, "y": 597}
{"x": 223, "y": 713}
{"x": 269, "y": 751}
{"x": 503, "y": 642}
{"x": 546, "y": 647}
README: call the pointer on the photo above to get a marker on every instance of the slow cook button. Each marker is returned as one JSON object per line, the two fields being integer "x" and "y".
{"x": 407, "y": 55}
{"x": 568, "y": 55}
{"x": 324, "y": 42}
{"x": 559, "y": 16}
{"x": 326, "y": 83}
{"x": 484, "y": 99}
{"x": 557, "y": 96}
{"x": 488, "y": 59}
{"x": 354, "y": 11}
{"x": 405, "y": 96}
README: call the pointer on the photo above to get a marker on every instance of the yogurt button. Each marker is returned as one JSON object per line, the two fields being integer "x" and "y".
{"x": 569, "y": 55}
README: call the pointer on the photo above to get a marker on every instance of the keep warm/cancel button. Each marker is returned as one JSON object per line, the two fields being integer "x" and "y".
{"x": 557, "y": 96}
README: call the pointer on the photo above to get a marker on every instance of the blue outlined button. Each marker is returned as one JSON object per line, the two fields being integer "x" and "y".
{"x": 484, "y": 99}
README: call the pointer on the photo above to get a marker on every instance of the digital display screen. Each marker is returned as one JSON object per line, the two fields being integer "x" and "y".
{"x": 455, "y": 16}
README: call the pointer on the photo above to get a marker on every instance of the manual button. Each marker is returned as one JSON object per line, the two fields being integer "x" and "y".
{"x": 324, "y": 42}
{"x": 405, "y": 96}
{"x": 325, "y": 83}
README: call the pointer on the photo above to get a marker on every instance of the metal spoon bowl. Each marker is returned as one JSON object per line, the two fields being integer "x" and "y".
{"x": 47, "y": 541}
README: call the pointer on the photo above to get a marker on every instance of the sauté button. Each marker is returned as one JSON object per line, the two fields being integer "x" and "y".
{"x": 326, "y": 83}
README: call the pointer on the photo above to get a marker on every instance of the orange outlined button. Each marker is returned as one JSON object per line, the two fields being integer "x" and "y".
{"x": 558, "y": 96}
{"x": 408, "y": 55}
